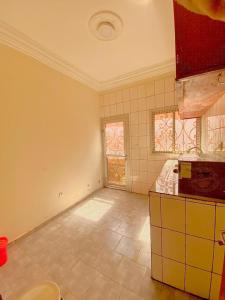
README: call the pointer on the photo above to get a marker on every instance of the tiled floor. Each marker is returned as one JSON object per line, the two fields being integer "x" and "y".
{"x": 98, "y": 250}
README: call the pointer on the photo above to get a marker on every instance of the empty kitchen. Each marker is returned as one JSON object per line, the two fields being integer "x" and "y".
{"x": 112, "y": 152}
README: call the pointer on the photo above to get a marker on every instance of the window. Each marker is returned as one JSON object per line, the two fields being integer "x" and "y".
{"x": 163, "y": 132}
{"x": 172, "y": 134}
{"x": 216, "y": 133}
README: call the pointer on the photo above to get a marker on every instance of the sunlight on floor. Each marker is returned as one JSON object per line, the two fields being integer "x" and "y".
{"x": 145, "y": 231}
{"x": 104, "y": 200}
{"x": 94, "y": 209}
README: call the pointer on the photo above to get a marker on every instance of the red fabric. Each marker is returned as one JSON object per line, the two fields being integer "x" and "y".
{"x": 200, "y": 43}
{"x": 222, "y": 289}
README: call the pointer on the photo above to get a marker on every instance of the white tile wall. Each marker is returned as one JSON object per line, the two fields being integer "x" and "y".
{"x": 137, "y": 101}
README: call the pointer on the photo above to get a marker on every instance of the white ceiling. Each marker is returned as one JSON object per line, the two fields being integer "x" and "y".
{"x": 61, "y": 28}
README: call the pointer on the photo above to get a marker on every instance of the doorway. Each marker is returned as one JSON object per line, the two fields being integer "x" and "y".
{"x": 115, "y": 147}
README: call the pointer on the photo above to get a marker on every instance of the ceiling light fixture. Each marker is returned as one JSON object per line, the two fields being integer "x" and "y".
{"x": 105, "y": 25}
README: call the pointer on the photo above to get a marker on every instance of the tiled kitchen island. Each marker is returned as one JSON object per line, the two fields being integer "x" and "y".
{"x": 184, "y": 237}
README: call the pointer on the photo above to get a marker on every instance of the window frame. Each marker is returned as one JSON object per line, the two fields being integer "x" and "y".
{"x": 218, "y": 149}
{"x": 172, "y": 109}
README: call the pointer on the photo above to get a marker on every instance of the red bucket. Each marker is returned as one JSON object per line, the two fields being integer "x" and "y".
{"x": 3, "y": 250}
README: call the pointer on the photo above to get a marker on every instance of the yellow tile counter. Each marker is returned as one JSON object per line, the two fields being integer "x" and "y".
{"x": 184, "y": 237}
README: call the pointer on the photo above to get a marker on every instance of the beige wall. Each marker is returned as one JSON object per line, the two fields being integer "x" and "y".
{"x": 50, "y": 142}
{"x": 137, "y": 101}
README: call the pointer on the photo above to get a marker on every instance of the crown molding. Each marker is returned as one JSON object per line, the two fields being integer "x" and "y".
{"x": 13, "y": 38}
{"x": 138, "y": 75}
{"x": 19, "y": 41}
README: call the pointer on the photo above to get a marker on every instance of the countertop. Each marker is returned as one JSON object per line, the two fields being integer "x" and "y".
{"x": 167, "y": 183}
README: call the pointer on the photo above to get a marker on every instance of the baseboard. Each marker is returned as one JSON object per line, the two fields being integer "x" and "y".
{"x": 52, "y": 218}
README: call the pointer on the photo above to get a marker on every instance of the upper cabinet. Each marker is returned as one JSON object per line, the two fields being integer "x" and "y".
{"x": 200, "y": 36}
{"x": 200, "y": 54}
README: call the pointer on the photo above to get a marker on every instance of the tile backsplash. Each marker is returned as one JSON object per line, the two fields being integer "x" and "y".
{"x": 137, "y": 101}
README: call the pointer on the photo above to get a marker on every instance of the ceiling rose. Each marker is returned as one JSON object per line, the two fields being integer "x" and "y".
{"x": 106, "y": 25}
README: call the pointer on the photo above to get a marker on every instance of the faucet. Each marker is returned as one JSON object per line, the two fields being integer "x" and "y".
{"x": 198, "y": 150}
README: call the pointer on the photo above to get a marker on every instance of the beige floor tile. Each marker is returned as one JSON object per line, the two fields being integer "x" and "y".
{"x": 89, "y": 255}
{"x": 144, "y": 257}
{"x": 80, "y": 254}
{"x": 110, "y": 223}
{"x": 105, "y": 238}
{"x": 129, "y": 248}
{"x": 103, "y": 289}
{"x": 69, "y": 296}
{"x": 150, "y": 289}
{"x": 129, "y": 274}
{"x": 81, "y": 279}
{"x": 130, "y": 230}
{"x": 108, "y": 262}
{"x": 128, "y": 295}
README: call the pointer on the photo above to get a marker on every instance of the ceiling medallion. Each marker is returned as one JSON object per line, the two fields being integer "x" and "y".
{"x": 105, "y": 25}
